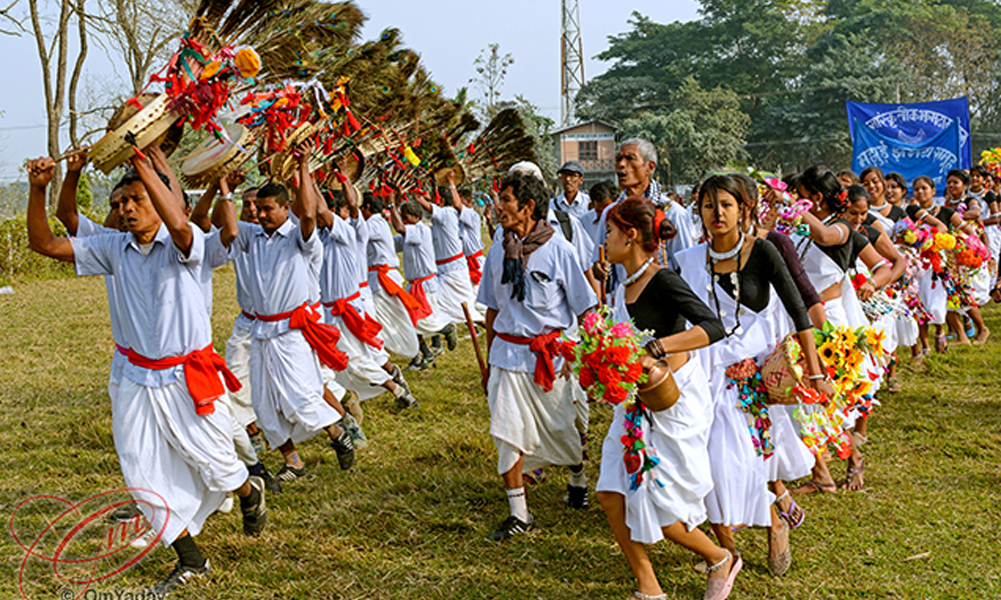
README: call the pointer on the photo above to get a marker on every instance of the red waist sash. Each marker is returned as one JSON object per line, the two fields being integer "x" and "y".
{"x": 321, "y": 337}
{"x": 201, "y": 373}
{"x": 417, "y": 291}
{"x": 364, "y": 328}
{"x": 475, "y": 274}
{"x": 392, "y": 288}
{"x": 448, "y": 260}
{"x": 546, "y": 347}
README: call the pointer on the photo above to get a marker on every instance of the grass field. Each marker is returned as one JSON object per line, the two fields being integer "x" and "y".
{"x": 408, "y": 520}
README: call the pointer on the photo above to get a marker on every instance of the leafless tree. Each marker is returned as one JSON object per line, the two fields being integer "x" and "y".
{"x": 7, "y": 17}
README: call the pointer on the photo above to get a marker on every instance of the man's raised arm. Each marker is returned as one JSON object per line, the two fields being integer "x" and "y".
{"x": 66, "y": 210}
{"x": 40, "y": 236}
{"x": 171, "y": 212}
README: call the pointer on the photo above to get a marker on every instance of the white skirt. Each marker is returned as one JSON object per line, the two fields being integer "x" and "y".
{"x": 527, "y": 421}
{"x": 740, "y": 493}
{"x": 980, "y": 288}
{"x": 288, "y": 389}
{"x": 933, "y": 295}
{"x": 454, "y": 288}
{"x": 397, "y": 330}
{"x": 364, "y": 374}
{"x": 179, "y": 464}
{"x": 792, "y": 459}
{"x": 675, "y": 490}
{"x": 238, "y": 361}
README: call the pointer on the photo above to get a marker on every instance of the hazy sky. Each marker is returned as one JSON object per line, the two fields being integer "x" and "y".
{"x": 448, "y": 34}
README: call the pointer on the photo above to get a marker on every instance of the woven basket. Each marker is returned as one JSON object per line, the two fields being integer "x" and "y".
{"x": 154, "y": 123}
{"x": 778, "y": 375}
{"x": 214, "y": 159}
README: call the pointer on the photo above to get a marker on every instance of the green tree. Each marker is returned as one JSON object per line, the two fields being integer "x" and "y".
{"x": 705, "y": 130}
{"x": 84, "y": 197}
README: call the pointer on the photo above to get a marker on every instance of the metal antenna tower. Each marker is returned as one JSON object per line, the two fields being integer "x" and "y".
{"x": 572, "y": 60}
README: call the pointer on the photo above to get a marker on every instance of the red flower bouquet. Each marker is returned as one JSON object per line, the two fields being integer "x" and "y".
{"x": 607, "y": 357}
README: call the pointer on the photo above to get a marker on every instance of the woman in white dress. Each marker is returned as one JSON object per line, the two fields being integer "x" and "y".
{"x": 670, "y": 501}
{"x": 828, "y": 253}
{"x": 745, "y": 280}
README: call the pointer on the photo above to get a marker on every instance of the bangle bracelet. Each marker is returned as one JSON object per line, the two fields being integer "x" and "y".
{"x": 226, "y": 197}
{"x": 816, "y": 377}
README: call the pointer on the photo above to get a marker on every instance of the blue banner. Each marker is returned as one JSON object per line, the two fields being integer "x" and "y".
{"x": 914, "y": 124}
{"x": 933, "y": 157}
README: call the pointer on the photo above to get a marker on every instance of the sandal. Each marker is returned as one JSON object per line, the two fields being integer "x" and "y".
{"x": 814, "y": 487}
{"x": 794, "y": 509}
{"x": 941, "y": 345}
{"x": 853, "y": 472}
{"x": 642, "y": 596}
{"x": 778, "y": 565}
{"x": 718, "y": 588}
{"x": 892, "y": 385}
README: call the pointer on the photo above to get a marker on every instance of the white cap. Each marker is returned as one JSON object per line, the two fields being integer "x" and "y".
{"x": 526, "y": 166}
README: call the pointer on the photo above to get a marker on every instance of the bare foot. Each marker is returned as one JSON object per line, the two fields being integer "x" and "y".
{"x": 960, "y": 342}
{"x": 982, "y": 337}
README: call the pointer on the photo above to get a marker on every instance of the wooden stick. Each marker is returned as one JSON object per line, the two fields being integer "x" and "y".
{"x": 73, "y": 152}
{"x": 604, "y": 282}
{"x": 476, "y": 342}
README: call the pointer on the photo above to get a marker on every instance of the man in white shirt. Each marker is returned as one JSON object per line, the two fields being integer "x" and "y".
{"x": 175, "y": 450}
{"x": 454, "y": 284}
{"x": 533, "y": 287}
{"x": 414, "y": 241}
{"x": 290, "y": 340}
{"x": 573, "y": 199}
{"x": 635, "y": 163}
{"x": 369, "y": 371}
{"x": 394, "y": 306}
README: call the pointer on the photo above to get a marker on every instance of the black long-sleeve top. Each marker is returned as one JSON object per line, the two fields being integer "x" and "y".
{"x": 765, "y": 269}
{"x": 667, "y": 302}
{"x": 787, "y": 250}
{"x": 843, "y": 254}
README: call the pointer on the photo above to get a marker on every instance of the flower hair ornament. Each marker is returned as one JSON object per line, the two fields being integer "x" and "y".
{"x": 842, "y": 197}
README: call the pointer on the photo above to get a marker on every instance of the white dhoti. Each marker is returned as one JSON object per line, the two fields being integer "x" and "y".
{"x": 675, "y": 490}
{"x": 364, "y": 374}
{"x": 527, "y": 421}
{"x": 185, "y": 461}
{"x": 397, "y": 329}
{"x": 238, "y": 361}
{"x": 454, "y": 288}
{"x": 288, "y": 389}
{"x": 241, "y": 441}
{"x": 436, "y": 321}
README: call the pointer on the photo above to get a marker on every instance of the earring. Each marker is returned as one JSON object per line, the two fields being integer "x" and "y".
{"x": 628, "y": 243}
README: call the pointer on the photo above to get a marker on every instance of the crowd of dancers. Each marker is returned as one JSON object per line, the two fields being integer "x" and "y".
{"x": 324, "y": 308}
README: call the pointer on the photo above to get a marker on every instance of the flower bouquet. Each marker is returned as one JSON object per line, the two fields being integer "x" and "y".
{"x": 607, "y": 358}
{"x": 607, "y": 362}
{"x": 851, "y": 357}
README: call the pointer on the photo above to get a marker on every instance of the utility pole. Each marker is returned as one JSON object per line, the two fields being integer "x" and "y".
{"x": 572, "y": 61}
